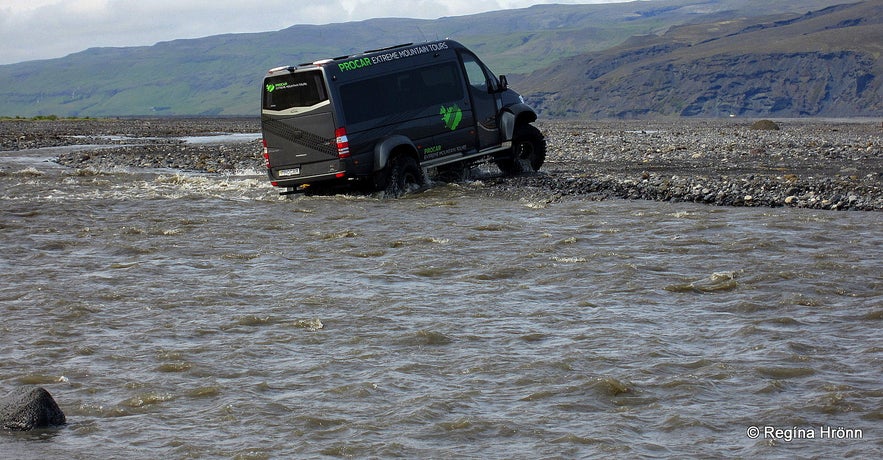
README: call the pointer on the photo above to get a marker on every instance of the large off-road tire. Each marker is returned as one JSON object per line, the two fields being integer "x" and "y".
{"x": 404, "y": 176}
{"x": 528, "y": 151}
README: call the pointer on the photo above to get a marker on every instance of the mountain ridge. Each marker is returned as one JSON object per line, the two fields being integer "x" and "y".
{"x": 221, "y": 74}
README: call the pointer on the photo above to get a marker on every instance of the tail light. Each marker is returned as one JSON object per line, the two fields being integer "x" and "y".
{"x": 265, "y": 154}
{"x": 343, "y": 144}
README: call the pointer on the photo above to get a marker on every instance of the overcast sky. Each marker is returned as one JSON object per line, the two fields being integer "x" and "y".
{"x": 42, "y": 29}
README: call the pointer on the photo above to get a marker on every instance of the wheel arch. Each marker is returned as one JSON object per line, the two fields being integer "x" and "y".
{"x": 513, "y": 116}
{"x": 391, "y": 146}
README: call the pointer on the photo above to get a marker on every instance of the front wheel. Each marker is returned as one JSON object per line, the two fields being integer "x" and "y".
{"x": 528, "y": 151}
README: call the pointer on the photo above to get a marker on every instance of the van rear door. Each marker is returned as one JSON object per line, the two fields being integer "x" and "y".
{"x": 297, "y": 122}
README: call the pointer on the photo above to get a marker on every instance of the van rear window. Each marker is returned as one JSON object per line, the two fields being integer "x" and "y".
{"x": 302, "y": 89}
{"x": 406, "y": 91}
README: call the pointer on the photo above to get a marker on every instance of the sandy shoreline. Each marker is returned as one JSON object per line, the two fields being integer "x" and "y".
{"x": 819, "y": 164}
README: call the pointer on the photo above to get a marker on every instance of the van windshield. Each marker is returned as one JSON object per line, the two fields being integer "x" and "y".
{"x": 402, "y": 92}
{"x": 302, "y": 89}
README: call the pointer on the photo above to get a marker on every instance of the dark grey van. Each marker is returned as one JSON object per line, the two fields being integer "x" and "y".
{"x": 388, "y": 118}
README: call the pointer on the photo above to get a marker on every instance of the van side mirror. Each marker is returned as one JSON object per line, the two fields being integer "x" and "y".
{"x": 504, "y": 84}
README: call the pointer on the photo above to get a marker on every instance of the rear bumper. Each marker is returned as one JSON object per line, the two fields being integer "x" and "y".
{"x": 301, "y": 180}
{"x": 298, "y": 174}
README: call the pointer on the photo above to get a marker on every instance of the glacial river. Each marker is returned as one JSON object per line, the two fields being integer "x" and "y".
{"x": 177, "y": 315}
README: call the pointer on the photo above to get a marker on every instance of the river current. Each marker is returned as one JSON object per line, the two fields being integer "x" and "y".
{"x": 179, "y": 315}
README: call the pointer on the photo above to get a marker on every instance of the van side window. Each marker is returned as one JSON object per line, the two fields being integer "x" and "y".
{"x": 410, "y": 90}
{"x": 475, "y": 73}
{"x": 302, "y": 89}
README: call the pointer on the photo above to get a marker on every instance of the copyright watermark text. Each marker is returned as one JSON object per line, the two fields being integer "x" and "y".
{"x": 797, "y": 432}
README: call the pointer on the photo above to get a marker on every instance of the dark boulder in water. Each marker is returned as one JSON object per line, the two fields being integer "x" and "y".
{"x": 29, "y": 408}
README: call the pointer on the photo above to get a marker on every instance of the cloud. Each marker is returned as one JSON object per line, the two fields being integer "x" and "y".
{"x": 41, "y": 29}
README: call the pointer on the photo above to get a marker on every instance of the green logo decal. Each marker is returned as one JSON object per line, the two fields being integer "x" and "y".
{"x": 270, "y": 88}
{"x": 451, "y": 116}
{"x": 354, "y": 64}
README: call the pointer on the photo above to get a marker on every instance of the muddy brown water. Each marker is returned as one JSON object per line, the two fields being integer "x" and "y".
{"x": 179, "y": 315}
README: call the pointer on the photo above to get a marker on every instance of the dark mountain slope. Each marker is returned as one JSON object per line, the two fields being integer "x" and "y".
{"x": 821, "y": 63}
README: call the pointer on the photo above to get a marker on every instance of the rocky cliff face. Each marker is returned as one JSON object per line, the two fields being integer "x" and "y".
{"x": 795, "y": 84}
{"x": 821, "y": 64}
{"x": 831, "y": 84}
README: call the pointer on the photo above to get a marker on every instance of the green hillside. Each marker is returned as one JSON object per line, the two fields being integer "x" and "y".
{"x": 221, "y": 75}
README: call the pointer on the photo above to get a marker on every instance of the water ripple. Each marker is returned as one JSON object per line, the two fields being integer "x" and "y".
{"x": 181, "y": 315}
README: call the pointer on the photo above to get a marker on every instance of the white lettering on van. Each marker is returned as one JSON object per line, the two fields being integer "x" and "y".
{"x": 392, "y": 56}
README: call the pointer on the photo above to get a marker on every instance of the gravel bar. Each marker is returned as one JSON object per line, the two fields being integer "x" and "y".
{"x": 807, "y": 163}
{"x": 835, "y": 165}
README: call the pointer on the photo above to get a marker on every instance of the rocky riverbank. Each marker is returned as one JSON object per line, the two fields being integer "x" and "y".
{"x": 811, "y": 164}
{"x": 818, "y": 164}
{"x": 143, "y": 143}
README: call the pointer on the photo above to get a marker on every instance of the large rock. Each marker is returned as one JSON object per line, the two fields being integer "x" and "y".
{"x": 29, "y": 408}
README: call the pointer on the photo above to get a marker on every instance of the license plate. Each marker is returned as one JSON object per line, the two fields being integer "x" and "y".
{"x": 288, "y": 172}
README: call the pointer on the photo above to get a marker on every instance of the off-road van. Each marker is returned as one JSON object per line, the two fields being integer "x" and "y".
{"x": 389, "y": 118}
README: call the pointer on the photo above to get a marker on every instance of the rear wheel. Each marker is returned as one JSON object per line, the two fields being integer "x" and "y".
{"x": 404, "y": 176}
{"x": 528, "y": 151}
